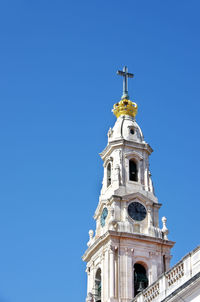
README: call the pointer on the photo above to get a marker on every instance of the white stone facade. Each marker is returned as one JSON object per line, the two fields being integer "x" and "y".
{"x": 120, "y": 241}
{"x": 180, "y": 283}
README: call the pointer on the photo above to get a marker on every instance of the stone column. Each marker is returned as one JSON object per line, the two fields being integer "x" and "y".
{"x": 116, "y": 272}
{"x": 112, "y": 272}
{"x": 129, "y": 273}
{"x": 102, "y": 276}
{"x": 91, "y": 277}
{"x": 141, "y": 172}
{"x": 106, "y": 276}
{"x": 88, "y": 278}
{"x": 149, "y": 217}
{"x": 155, "y": 265}
{"x": 145, "y": 174}
{"x": 150, "y": 183}
{"x": 167, "y": 259}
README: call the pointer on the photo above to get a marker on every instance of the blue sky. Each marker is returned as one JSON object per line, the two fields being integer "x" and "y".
{"x": 58, "y": 83}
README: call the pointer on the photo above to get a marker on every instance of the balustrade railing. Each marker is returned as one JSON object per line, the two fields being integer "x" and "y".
{"x": 151, "y": 293}
{"x": 188, "y": 267}
{"x": 175, "y": 274}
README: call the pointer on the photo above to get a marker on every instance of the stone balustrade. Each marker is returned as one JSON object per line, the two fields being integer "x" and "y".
{"x": 152, "y": 292}
{"x": 169, "y": 282}
{"x": 175, "y": 274}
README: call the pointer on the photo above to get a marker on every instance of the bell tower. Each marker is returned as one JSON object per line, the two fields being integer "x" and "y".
{"x": 128, "y": 250}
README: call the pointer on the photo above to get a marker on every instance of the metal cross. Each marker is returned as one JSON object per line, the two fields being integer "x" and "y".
{"x": 126, "y": 75}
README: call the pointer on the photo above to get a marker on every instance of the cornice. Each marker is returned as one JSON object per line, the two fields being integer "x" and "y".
{"x": 142, "y": 238}
{"x": 92, "y": 249}
{"x": 145, "y": 197}
{"x": 122, "y": 142}
{"x": 123, "y": 236}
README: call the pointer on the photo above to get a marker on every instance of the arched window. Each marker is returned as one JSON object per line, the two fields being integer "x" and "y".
{"x": 133, "y": 173}
{"x": 98, "y": 286}
{"x": 108, "y": 174}
{"x": 164, "y": 263}
{"x": 140, "y": 278}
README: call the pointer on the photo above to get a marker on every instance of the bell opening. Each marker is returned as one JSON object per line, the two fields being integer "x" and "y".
{"x": 98, "y": 286}
{"x": 140, "y": 278}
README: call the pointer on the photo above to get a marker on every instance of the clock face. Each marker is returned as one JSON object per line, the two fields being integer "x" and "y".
{"x": 137, "y": 211}
{"x": 103, "y": 216}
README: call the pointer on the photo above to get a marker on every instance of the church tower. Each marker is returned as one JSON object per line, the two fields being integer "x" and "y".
{"x": 128, "y": 250}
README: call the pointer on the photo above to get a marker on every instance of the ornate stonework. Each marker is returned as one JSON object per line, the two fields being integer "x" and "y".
{"x": 129, "y": 250}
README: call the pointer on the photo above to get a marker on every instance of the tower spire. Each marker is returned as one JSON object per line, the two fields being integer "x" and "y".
{"x": 128, "y": 250}
{"x": 125, "y": 75}
{"x": 125, "y": 106}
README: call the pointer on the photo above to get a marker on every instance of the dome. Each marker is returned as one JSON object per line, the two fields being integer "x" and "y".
{"x": 125, "y": 128}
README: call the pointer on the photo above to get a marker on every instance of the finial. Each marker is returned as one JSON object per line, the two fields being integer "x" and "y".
{"x": 125, "y": 75}
{"x": 125, "y": 106}
{"x": 165, "y": 229}
{"x": 91, "y": 233}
